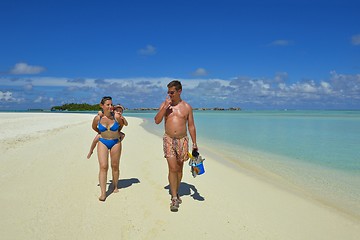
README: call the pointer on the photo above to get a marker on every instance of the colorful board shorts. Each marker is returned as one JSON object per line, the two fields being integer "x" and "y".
{"x": 176, "y": 147}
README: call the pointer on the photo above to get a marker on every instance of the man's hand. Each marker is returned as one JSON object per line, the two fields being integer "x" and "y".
{"x": 167, "y": 102}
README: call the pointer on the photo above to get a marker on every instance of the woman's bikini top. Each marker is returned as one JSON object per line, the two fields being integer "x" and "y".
{"x": 113, "y": 128}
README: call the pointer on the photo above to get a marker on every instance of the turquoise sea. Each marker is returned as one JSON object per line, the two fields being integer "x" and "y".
{"x": 316, "y": 152}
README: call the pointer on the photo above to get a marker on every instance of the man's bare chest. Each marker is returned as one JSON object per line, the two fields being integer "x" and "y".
{"x": 176, "y": 112}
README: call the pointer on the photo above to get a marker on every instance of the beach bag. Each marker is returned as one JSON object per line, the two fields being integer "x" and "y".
{"x": 196, "y": 163}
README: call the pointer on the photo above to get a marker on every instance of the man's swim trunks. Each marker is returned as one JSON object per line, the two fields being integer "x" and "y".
{"x": 176, "y": 147}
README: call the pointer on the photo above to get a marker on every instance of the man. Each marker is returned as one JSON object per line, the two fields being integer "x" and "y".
{"x": 178, "y": 117}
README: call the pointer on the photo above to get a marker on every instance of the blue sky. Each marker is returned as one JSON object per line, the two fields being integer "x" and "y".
{"x": 249, "y": 54}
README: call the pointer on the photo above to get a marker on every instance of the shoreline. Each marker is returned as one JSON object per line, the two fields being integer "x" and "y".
{"x": 338, "y": 205}
{"x": 295, "y": 184}
{"x": 58, "y": 196}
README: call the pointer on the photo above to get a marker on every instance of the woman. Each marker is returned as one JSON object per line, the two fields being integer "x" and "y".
{"x": 108, "y": 125}
{"x": 118, "y": 109}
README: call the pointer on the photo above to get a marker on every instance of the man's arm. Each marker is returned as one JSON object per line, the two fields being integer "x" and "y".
{"x": 192, "y": 128}
{"x": 161, "y": 113}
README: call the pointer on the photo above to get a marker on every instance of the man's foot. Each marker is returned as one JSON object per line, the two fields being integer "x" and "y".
{"x": 116, "y": 190}
{"x": 179, "y": 199}
{"x": 174, "y": 205}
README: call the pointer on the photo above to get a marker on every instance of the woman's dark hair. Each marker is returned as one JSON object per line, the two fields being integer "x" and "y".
{"x": 104, "y": 99}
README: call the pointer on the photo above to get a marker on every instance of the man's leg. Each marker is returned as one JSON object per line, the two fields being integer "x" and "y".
{"x": 175, "y": 171}
{"x": 179, "y": 178}
{"x": 173, "y": 176}
{"x": 180, "y": 166}
{"x": 183, "y": 155}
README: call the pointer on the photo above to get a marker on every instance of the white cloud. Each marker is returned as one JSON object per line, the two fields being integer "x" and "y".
{"x": 347, "y": 86}
{"x": 5, "y": 96}
{"x": 150, "y": 92}
{"x": 355, "y": 39}
{"x": 326, "y": 87}
{"x": 200, "y": 72}
{"x": 28, "y": 86}
{"x": 39, "y": 99}
{"x": 282, "y": 86}
{"x": 280, "y": 42}
{"x": 147, "y": 51}
{"x": 24, "y": 68}
{"x": 281, "y": 77}
{"x": 307, "y": 87}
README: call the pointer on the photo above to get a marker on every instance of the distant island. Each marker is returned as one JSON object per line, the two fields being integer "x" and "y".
{"x": 199, "y": 109}
{"x": 76, "y": 107}
{"x": 219, "y": 109}
{"x": 95, "y": 107}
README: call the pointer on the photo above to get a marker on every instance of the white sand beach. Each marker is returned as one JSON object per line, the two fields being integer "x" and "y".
{"x": 49, "y": 190}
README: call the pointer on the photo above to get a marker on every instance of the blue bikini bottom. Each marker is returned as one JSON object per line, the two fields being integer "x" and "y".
{"x": 109, "y": 143}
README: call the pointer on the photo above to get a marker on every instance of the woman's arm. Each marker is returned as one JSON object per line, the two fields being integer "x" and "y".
{"x": 95, "y": 123}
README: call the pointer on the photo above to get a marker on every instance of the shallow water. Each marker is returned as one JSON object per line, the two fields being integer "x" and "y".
{"x": 316, "y": 150}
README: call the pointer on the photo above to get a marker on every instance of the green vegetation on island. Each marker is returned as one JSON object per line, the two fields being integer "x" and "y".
{"x": 96, "y": 107}
{"x": 76, "y": 107}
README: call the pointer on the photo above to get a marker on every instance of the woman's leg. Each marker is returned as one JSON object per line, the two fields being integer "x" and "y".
{"x": 103, "y": 155}
{"x": 115, "y": 154}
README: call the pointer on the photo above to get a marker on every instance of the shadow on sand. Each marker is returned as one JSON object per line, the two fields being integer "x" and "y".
{"x": 122, "y": 183}
{"x": 186, "y": 189}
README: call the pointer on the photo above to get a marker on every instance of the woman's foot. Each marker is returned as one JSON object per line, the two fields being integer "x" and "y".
{"x": 115, "y": 190}
{"x": 102, "y": 198}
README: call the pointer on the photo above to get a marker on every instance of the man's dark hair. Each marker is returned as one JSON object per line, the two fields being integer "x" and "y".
{"x": 176, "y": 84}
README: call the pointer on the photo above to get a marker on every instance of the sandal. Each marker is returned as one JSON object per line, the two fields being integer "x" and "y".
{"x": 174, "y": 205}
{"x": 179, "y": 199}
